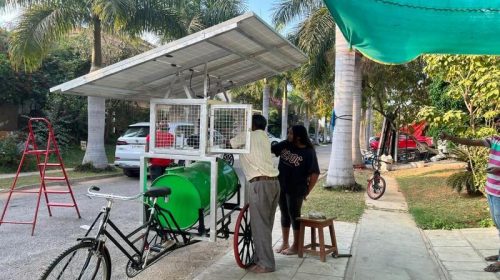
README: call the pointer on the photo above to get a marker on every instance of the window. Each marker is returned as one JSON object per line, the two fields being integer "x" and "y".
{"x": 137, "y": 131}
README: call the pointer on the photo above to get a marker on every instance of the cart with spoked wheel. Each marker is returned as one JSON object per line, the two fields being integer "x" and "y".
{"x": 188, "y": 81}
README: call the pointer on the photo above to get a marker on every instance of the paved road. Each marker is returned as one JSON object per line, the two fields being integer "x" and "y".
{"x": 24, "y": 257}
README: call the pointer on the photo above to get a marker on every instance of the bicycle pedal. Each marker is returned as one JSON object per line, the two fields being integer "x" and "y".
{"x": 164, "y": 246}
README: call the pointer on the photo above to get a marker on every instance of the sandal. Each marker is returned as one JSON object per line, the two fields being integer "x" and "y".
{"x": 494, "y": 267}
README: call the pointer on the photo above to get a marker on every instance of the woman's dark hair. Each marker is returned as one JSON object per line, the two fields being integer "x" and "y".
{"x": 259, "y": 122}
{"x": 299, "y": 131}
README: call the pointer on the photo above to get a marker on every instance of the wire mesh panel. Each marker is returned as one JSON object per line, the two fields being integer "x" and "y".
{"x": 226, "y": 122}
{"x": 178, "y": 126}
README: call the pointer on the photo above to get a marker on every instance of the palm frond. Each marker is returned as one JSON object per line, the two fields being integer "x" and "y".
{"x": 38, "y": 28}
{"x": 114, "y": 12}
{"x": 285, "y": 11}
{"x": 156, "y": 18}
{"x": 217, "y": 11}
{"x": 316, "y": 33}
{"x": 460, "y": 180}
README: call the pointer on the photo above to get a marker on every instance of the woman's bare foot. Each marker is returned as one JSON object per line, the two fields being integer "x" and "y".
{"x": 494, "y": 267}
{"x": 493, "y": 258}
{"x": 259, "y": 269}
{"x": 290, "y": 251}
{"x": 282, "y": 248}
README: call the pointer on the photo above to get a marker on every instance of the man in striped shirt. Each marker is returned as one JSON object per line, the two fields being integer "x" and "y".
{"x": 492, "y": 180}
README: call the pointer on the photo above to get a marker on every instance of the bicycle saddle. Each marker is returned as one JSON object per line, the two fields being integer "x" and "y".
{"x": 158, "y": 192}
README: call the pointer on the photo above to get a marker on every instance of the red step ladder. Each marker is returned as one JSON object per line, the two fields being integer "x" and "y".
{"x": 31, "y": 148}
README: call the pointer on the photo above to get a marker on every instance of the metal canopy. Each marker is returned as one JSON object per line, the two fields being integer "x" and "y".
{"x": 236, "y": 52}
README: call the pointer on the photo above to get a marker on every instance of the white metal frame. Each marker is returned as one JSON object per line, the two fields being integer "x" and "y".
{"x": 203, "y": 125}
{"x": 202, "y": 154}
{"x": 248, "y": 110}
{"x": 213, "y": 184}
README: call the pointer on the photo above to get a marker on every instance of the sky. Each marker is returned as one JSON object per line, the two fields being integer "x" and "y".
{"x": 263, "y": 8}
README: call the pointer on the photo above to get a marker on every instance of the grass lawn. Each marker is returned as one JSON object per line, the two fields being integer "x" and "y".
{"x": 71, "y": 157}
{"x": 35, "y": 179}
{"x": 345, "y": 205}
{"x": 434, "y": 205}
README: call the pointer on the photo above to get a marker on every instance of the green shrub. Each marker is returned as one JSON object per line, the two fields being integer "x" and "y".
{"x": 11, "y": 153}
{"x": 473, "y": 178}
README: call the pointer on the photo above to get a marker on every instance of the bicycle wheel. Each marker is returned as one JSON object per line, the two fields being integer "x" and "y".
{"x": 229, "y": 158}
{"x": 242, "y": 241}
{"x": 81, "y": 261}
{"x": 376, "y": 187}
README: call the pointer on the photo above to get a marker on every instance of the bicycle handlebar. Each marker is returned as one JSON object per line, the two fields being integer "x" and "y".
{"x": 90, "y": 193}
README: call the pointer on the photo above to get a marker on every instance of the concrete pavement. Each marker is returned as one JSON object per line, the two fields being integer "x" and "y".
{"x": 388, "y": 244}
{"x": 290, "y": 267}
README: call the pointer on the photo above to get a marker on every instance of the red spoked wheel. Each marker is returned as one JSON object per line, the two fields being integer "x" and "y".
{"x": 242, "y": 240}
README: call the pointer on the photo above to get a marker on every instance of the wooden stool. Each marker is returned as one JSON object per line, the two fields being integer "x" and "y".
{"x": 323, "y": 249}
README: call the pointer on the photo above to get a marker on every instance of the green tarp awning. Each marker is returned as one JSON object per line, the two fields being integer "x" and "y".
{"x": 397, "y": 31}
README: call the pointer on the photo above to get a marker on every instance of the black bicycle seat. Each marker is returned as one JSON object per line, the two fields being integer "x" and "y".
{"x": 158, "y": 192}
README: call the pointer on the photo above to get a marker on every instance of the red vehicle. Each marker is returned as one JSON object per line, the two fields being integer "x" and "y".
{"x": 405, "y": 141}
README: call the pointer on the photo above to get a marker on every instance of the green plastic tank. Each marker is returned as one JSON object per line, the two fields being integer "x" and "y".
{"x": 190, "y": 187}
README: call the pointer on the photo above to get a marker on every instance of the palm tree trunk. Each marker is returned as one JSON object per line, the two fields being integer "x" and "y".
{"x": 316, "y": 131}
{"x": 265, "y": 101}
{"x": 306, "y": 118}
{"x": 362, "y": 130}
{"x": 284, "y": 111}
{"x": 325, "y": 129}
{"x": 369, "y": 123}
{"x": 340, "y": 171}
{"x": 95, "y": 153}
{"x": 356, "y": 113}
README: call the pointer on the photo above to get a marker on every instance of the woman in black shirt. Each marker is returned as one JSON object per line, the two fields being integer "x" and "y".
{"x": 299, "y": 171}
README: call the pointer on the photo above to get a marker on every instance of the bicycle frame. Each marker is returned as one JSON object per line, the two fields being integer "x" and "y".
{"x": 103, "y": 233}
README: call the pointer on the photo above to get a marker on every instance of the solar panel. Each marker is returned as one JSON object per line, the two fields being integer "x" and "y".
{"x": 236, "y": 52}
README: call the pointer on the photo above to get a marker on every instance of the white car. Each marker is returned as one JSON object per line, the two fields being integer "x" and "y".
{"x": 131, "y": 145}
{"x": 129, "y": 148}
{"x": 273, "y": 139}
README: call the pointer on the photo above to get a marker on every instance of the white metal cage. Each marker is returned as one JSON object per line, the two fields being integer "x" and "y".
{"x": 226, "y": 122}
{"x": 180, "y": 126}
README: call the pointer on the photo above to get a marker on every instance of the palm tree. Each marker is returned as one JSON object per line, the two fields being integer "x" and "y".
{"x": 44, "y": 22}
{"x": 356, "y": 114}
{"x": 284, "y": 105}
{"x": 196, "y": 15}
{"x": 316, "y": 39}
{"x": 266, "y": 95}
{"x": 340, "y": 172}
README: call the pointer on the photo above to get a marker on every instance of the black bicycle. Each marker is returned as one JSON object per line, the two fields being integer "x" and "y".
{"x": 376, "y": 184}
{"x": 90, "y": 258}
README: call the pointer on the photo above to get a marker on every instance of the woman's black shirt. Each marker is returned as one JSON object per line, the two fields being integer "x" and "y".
{"x": 295, "y": 166}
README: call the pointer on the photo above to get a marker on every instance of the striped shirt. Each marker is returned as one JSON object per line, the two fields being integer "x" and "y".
{"x": 259, "y": 161}
{"x": 493, "y": 179}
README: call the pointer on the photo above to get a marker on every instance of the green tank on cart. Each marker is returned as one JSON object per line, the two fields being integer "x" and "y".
{"x": 190, "y": 187}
